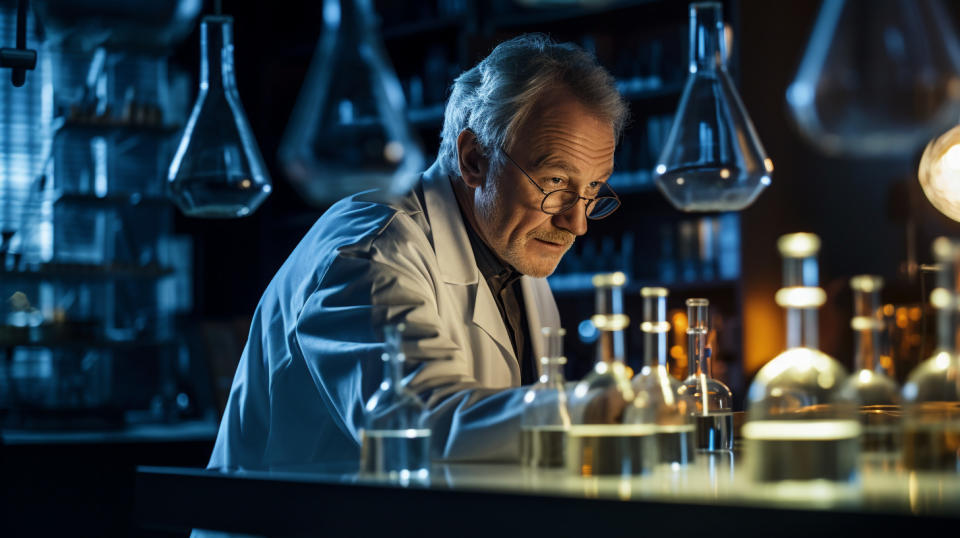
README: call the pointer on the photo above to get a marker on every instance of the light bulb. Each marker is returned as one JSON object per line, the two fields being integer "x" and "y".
{"x": 940, "y": 173}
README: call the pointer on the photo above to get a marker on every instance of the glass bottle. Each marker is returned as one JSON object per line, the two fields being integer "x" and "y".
{"x": 546, "y": 419}
{"x": 598, "y": 442}
{"x": 878, "y": 395}
{"x": 931, "y": 395}
{"x": 878, "y": 79}
{"x": 349, "y": 131}
{"x": 713, "y": 159}
{"x": 801, "y": 425}
{"x": 657, "y": 395}
{"x": 713, "y": 402}
{"x": 217, "y": 170}
{"x": 395, "y": 441}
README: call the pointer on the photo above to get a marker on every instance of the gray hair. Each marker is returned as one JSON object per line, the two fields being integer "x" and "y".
{"x": 493, "y": 98}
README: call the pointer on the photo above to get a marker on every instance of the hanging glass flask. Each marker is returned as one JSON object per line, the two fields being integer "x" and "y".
{"x": 877, "y": 393}
{"x": 713, "y": 159}
{"x": 349, "y": 131}
{"x": 217, "y": 170}
{"x": 395, "y": 441}
{"x": 546, "y": 419}
{"x": 938, "y": 173}
{"x": 713, "y": 402}
{"x": 878, "y": 79}
{"x": 801, "y": 425}
{"x": 931, "y": 395}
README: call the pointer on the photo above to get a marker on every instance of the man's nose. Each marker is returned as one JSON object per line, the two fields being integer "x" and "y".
{"x": 573, "y": 220}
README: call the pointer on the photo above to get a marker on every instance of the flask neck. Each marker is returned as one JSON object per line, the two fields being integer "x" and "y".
{"x": 707, "y": 45}
{"x": 802, "y": 328}
{"x": 867, "y": 354}
{"x": 216, "y": 53}
{"x": 697, "y": 356}
{"x": 867, "y": 322}
{"x": 552, "y": 370}
{"x": 611, "y": 347}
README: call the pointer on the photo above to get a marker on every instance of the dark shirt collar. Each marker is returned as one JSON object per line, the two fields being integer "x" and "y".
{"x": 493, "y": 269}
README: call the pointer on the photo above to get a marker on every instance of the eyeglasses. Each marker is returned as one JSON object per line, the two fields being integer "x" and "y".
{"x": 561, "y": 200}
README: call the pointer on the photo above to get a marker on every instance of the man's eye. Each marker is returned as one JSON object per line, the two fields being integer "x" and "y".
{"x": 555, "y": 181}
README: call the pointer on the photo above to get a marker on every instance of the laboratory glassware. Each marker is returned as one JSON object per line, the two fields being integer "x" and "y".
{"x": 657, "y": 398}
{"x": 938, "y": 171}
{"x": 395, "y": 441}
{"x": 878, "y": 395}
{"x": 713, "y": 159}
{"x": 598, "y": 442}
{"x": 877, "y": 79}
{"x": 546, "y": 419}
{"x": 712, "y": 399}
{"x": 217, "y": 170}
{"x": 349, "y": 131}
{"x": 801, "y": 424}
{"x": 931, "y": 394}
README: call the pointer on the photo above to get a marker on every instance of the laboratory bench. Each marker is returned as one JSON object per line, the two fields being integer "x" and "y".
{"x": 708, "y": 498}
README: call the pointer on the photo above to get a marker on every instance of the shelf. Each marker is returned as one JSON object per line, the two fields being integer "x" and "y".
{"x": 533, "y": 17}
{"x": 632, "y": 182}
{"x": 81, "y": 271}
{"x": 72, "y": 335}
{"x": 418, "y": 28}
{"x": 110, "y": 200}
{"x": 112, "y": 128}
{"x": 638, "y": 89}
{"x": 578, "y": 283}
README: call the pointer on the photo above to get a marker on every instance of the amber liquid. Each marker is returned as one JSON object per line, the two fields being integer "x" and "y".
{"x": 543, "y": 447}
{"x": 597, "y": 450}
{"x": 881, "y": 429}
{"x": 802, "y": 450}
{"x": 932, "y": 446}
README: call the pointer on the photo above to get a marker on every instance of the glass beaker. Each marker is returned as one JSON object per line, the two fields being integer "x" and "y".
{"x": 217, "y": 170}
{"x": 546, "y": 419}
{"x": 878, "y": 395}
{"x": 713, "y": 159}
{"x": 349, "y": 131}
{"x": 658, "y": 399}
{"x": 931, "y": 395}
{"x": 878, "y": 79}
{"x": 712, "y": 399}
{"x": 801, "y": 425}
{"x": 395, "y": 442}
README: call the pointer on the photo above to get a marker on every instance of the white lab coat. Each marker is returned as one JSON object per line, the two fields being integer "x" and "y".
{"x": 312, "y": 357}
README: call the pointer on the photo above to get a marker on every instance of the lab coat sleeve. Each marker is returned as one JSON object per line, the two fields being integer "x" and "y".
{"x": 339, "y": 333}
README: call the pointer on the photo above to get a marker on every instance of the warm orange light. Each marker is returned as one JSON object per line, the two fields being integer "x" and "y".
{"x": 888, "y": 310}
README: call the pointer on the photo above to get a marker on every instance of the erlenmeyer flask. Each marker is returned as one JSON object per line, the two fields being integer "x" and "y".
{"x": 801, "y": 425}
{"x": 217, "y": 170}
{"x": 713, "y": 160}
{"x": 349, "y": 131}
{"x": 713, "y": 402}
{"x": 931, "y": 395}
{"x": 546, "y": 420}
{"x": 878, "y": 78}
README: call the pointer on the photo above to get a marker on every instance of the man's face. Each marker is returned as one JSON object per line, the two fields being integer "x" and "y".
{"x": 562, "y": 145}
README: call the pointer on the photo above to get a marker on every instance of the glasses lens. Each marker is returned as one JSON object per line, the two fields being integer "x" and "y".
{"x": 559, "y": 201}
{"x": 602, "y": 207}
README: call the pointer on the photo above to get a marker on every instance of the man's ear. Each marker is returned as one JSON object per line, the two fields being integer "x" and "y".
{"x": 473, "y": 165}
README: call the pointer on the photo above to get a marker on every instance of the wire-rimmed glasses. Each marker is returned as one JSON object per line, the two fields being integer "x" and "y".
{"x": 561, "y": 200}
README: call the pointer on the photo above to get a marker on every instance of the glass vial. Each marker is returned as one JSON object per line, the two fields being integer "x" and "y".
{"x": 217, "y": 171}
{"x": 546, "y": 419}
{"x": 878, "y": 395}
{"x": 349, "y": 131}
{"x": 878, "y": 79}
{"x": 713, "y": 159}
{"x": 931, "y": 395}
{"x": 712, "y": 400}
{"x": 395, "y": 442}
{"x": 657, "y": 395}
{"x": 801, "y": 425}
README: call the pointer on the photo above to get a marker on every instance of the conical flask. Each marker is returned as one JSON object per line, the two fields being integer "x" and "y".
{"x": 931, "y": 395}
{"x": 349, "y": 131}
{"x": 657, "y": 395}
{"x": 878, "y": 78}
{"x": 801, "y": 425}
{"x": 546, "y": 419}
{"x": 713, "y": 159}
{"x": 713, "y": 402}
{"x": 217, "y": 170}
{"x": 395, "y": 441}
{"x": 877, "y": 393}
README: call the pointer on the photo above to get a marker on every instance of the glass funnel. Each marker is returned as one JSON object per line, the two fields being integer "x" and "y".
{"x": 217, "y": 170}
{"x": 877, "y": 78}
{"x": 349, "y": 130}
{"x": 546, "y": 419}
{"x": 658, "y": 399}
{"x": 713, "y": 159}
{"x": 395, "y": 442}
{"x": 931, "y": 395}
{"x": 878, "y": 395}
{"x": 801, "y": 425}
{"x": 713, "y": 401}
{"x": 598, "y": 442}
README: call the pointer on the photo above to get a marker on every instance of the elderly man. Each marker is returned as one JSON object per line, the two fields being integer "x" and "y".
{"x": 527, "y": 147}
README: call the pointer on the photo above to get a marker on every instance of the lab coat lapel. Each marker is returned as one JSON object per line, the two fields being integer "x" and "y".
{"x": 541, "y": 312}
{"x": 458, "y": 267}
